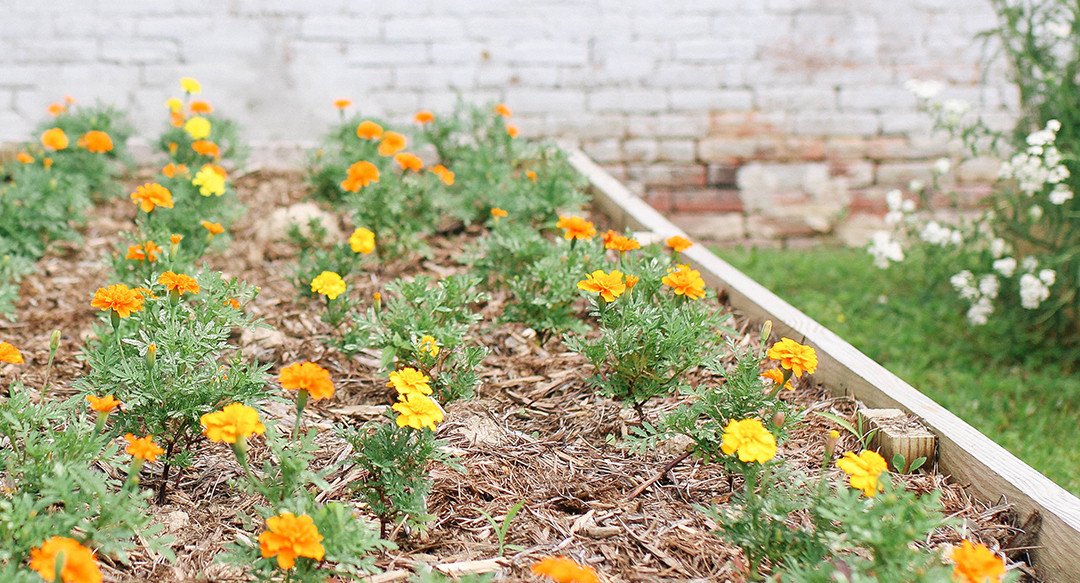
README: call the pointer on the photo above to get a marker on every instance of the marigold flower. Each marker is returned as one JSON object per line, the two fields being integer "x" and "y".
{"x": 409, "y": 161}
{"x": 152, "y": 195}
{"x": 106, "y": 404}
{"x": 797, "y": 358}
{"x": 206, "y": 148}
{"x": 511, "y": 130}
{"x": 685, "y": 281}
{"x": 47, "y": 163}
{"x": 190, "y": 85}
{"x": 175, "y": 239}
{"x": 328, "y": 284}
{"x": 174, "y": 104}
{"x": 429, "y": 345}
{"x": 863, "y": 470}
{"x": 750, "y": 440}
{"x": 176, "y": 120}
{"x": 232, "y": 423}
{"x": 392, "y": 143}
{"x": 147, "y": 251}
{"x": 171, "y": 170}
{"x": 777, "y": 376}
{"x": 209, "y": 181}
{"x": 678, "y": 243}
{"x": 96, "y": 142}
{"x": 212, "y": 228}
{"x": 418, "y": 411}
{"x": 198, "y": 128}
{"x": 362, "y": 241}
{"x": 410, "y": 380}
{"x": 342, "y": 103}
{"x": 173, "y": 146}
{"x": 359, "y": 175}
{"x": 233, "y": 303}
{"x": 974, "y": 563}
{"x": 444, "y": 174}
{"x": 564, "y": 570}
{"x": 503, "y": 110}
{"x": 609, "y": 285}
{"x": 307, "y": 376}
{"x": 119, "y": 298}
{"x": 143, "y": 448}
{"x": 498, "y": 213}
{"x": 54, "y": 139}
{"x": 369, "y": 130}
{"x": 76, "y": 562}
{"x": 55, "y": 109}
{"x": 631, "y": 281}
{"x": 10, "y": 354}
{"x": 178, "y": 283}
{"x": 288, "y": 537}
{"x": 575, "y": 227}
{"x": 424, "y": 116}
{"x": 24, "y": 158}
{"x": 620, "y": 243}
{"x": 531, "y": 175}
{"x": 198, "y": 106}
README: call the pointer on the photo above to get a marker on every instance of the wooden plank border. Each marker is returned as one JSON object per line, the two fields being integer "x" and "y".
{"x": 990, "y": 472}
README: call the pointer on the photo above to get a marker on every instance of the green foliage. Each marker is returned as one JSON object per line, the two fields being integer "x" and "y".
{"x": 502, "y": 527}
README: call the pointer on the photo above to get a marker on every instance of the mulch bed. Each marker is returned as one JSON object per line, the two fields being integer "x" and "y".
{"x": 535, "y": 432}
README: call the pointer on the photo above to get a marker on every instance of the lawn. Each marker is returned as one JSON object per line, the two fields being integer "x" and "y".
{"x": 1031, "y": 406}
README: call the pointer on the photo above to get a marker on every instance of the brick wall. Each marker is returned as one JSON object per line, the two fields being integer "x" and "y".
{"x": 706, "y": 105}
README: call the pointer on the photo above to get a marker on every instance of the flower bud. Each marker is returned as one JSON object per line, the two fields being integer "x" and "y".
{"x": 54, "y": 341}
{"x": 766, "y": 330}
{"x": 830, "y": 442}
{"x": 151, "y": 355}
{"x": 778, "y": 419}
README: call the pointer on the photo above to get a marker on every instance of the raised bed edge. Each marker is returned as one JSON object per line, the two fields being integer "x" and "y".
{"x": 990, "y": 471}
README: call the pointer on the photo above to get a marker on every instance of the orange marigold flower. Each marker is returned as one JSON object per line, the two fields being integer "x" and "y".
{"x": 511, "y": 130}
{"x": 444, "y": 174}
{"x": 608, "y": 285}
{"x": 685, "y": 282}
{"x": 24, "y": 158}
{"x": 503, "y": 110}
{"x": 564, "y": 570}
{"x": 620, "y": 243}
{"x": 206, "y": 148}
{"x": 974, "y": 563}
{"x": 10, "y": 354}
{"x": 307, "y": 376}
{"x": 47, "y": 163}
{"x": 173, "y": 147}
{"x": 54, "y": 139}
{"x": 176, "y": 119}
{"x": 152, "y": 195}
{"x": 777, "y": 376}
{"x": 106, "y": 404}
{"x": 175, "y": 238}
{"x": 798, "y": 358}
{"x": 96, "y": 142}
{"x": 198, "y": 106}
{"x": 55, "y": 109}
{"x": 359, "y": 175}
{"x": 631, "y": 281}
{"x": 498, "y": 213}
{"x": 342, "y": 103}
{"x": 288, "y": 537}
{"x": 213, "y": 228}
{"x": 119, "y": 298}
{"x": 678, "y": 244}
{"x": 531, "y": 175}
{"x": 77, "y": 563}
{"x": 147, "y": 251}
{"x": 171, "y": 170}
{"x": 369, "y": 130}
{"x": 178, "y": 283}
{"x": 424, "y": 116}
{"x": 143, "y": 448}
{"x": 392, "y": 143}
{"x": 235, "y": 422}
{"x": 233, "y": 303}
{"x": 576, "y": 228}
{"x": 409, "y": 161}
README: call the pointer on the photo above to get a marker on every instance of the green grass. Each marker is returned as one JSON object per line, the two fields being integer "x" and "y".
{"x": 915, "y": 328}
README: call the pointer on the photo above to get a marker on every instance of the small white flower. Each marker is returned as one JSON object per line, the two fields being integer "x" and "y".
{"x": 908, "y": 206}
{"x": 998, "y": 247}
{"x": 885, "y": 249}
{"x": 1053, "y": 125}
{"x": 1036, "y": 212}
{"x": 1029, "y": 263}
{"x": 1061, "y": 194}
{"x": 989, "y": 286}
{"x": 923, "y": 89}
{"x": 916, "y": 186}
{"x": 1006, "y": 267}
{"x": 979, "y": 312}
{"x": 1033, "y": 291}
{"x": 964, "y": 283}
{"x": 1048, "y": 276}
{"x": 894, "y": 198}
{"x": 942, "y": 166}
{"x": 893, "y": 218}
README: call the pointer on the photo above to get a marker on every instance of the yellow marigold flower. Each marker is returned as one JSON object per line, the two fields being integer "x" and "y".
{"x": 576, "y": 228}
{"x": 564, "y": 570}
{"x": 359, "y": 175}
{"x": 10, "y": 354}
{"x": 143, "y": 448}
{"x": 178, "y": 283}
{"x": 409, "y": 380}
{"x": 231, "y": 424}
{"x": 190, "y": 85}
{"x": 151, "y": 195}
{"x": 678, "y": 243}
{"x": 212, "y": 228}
{"x": 198, "y": 128}
{"x": 328, "y": 284}
{"x": 685, "y": 281}
{"x": 106, "y": 404}
{"x": 444, "y": 174}
{"x": 77, "y": 564}
{"x": 797, "y": 358}
{"x": 288, "y": 537}
{"x": 392, "y": 143}
{"x": 342, "y": 103}
{"x": 503, "y": 110}
{"x": 96, "y": 142}
{"x": 198, "y": 106}
{"x": 620, "y": 243}
{"x": 429, "y": 345}
{"x": 864, "y": 470}
{"x": 424, "y": 117}
{"x": 362, "y": 241}
{"x": 24, "y": 158}
{"x": 498, "y": 213}
{"x": 54, "y": 139}
{"x": 777, "y": 376}
{"x": 171, "y": 170}
{"x": 174, "y": 104}
{"x": 974, "y": 563}
{"x": 147, "y": 251}
{"x": 369, "y": 130}
{"x": 119, "y": 298}
{"x": 418, "y": 411}
{"x": 409, "y": 161}
{"x": 608, "y": 285}
{"x": 750, "y": 440}
{"x": 307, "y": 376}
{"x": 512, "y": 130}
{"x": 209, "y": 181}
{"x": 531, "y": 175}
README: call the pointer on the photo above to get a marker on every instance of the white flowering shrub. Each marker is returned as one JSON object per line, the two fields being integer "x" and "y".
{"x": 1017, "y": 261}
